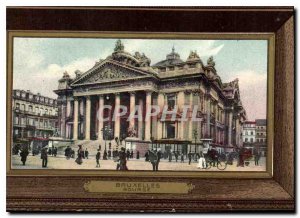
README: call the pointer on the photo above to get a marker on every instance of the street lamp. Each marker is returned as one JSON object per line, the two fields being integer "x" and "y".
{"x": 106, "y": 131}
{"x": 152, "y": 139}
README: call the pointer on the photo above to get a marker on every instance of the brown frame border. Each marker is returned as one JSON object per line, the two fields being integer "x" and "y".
{"x": 215, "y": 194}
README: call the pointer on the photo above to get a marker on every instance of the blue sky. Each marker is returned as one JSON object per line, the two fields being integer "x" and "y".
{"x": 40, "y": 62}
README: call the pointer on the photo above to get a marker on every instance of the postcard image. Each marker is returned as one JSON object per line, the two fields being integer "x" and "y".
{"x": 139, "y": 104}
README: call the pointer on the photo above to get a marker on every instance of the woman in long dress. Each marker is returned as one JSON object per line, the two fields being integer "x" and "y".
{"x": 79, "y": 155}
{"x": 202, "y": 161}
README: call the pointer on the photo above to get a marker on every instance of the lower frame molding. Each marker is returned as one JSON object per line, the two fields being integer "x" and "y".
{"x": 138, "y": 205}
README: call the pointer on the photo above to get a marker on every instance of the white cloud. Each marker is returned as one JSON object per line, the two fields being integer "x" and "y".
{"x": 45, "y": 80}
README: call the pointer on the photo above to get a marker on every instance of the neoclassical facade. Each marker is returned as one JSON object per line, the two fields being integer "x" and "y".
{"x": 130, "y": 80}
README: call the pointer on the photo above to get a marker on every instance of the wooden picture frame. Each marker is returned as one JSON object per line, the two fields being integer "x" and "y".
{"x": 60, "y": 192}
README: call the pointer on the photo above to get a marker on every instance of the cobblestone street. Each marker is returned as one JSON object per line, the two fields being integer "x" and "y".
{"x": 60, "y": 162}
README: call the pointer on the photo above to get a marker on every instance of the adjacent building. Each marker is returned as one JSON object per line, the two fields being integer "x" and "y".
{"x": 34, "y": 116}
{"x": 129, "y": 79}
{"x": 261, "y": 135}
{"x": 255, "y": 135}
{"x": 249, "y": 134}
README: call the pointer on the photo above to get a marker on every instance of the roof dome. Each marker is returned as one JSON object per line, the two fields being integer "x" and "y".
{"x": 171, "y": 59}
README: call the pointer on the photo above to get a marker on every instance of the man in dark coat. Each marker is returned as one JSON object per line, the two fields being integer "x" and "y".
{"x": 86, "y": 153}
{"x": 154, "y": 158}
{"x": 24, "y": 153}
{"x": 122, "y": 159}
{"x": 170, "y": 157}
{"x": 68, "y": 152}
{"x": 256, "y": 157}
{"x": 190, "y": 158}
{"x": 147, "y": 156}
{"x": 137, "y": 155}
{"x": 176, "y": 156}
{"x": 98, "y": 158}
{"x": 55, "y": 151}
{"x": 44, "y": 157}
{"x": 182, "y": 158}
{"x": 131, "y": 154}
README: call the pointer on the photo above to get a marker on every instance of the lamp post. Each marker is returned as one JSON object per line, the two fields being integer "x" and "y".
{"x": 106, "y": 131}
{"x": 117, "y": 141}
{"x": 152, "y": 139}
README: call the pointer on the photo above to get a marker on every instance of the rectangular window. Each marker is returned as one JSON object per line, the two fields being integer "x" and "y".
{"x": 171, "y": 99}
{"x": 162, "y": 69}
{"x": 170, "y": 130}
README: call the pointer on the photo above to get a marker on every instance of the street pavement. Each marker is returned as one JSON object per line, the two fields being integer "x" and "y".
{"x": 60, "y": 162}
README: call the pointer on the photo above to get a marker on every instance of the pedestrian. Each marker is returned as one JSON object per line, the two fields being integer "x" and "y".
{"x": 109, "y": 154}
{"x": 44, "y": 157}
{"x": 68, "y": 152}
{"x": 50, "y": 151}
{"x": 154, "y": 158}
{"x": 131, "y": 154}
{"x": 104, "y": 155}
{"x": 147, "y": 156}
{"x": 86, "y": 153}
{"x": 98, "y": 158}
{"x": 128, "y": 154}
{"x": 190, "y": 157}
{"x": 176, "y": 156}
{"x": 170, "y": 157}
{"x": 55, "y": 151}
{"x": 256, "y": 157}
{"x": 79, "y": 155}
{"x": 182, "y": 158}
{"x": 122, "y": 159}
{"x": 137, "y": 155}
{"x": 202, "y": 161}
{"x": 24, "y": 153}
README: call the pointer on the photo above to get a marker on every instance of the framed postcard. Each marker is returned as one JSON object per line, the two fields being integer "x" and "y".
{"x": 150, "y": 109}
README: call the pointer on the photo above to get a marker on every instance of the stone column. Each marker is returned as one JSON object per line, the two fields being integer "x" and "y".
{"x": 68, "y": 107}
{"x": 140, "y": 123}
{"x": 208, "y": 115}
{"x": 237, "y": 132}
{"x": 63, "y": 121}
{"x": 117, "y": 118}
{"x": 148, "y": 122}
{"x": 88, "y": 118}
{"x": 180, "y": 104}
{"x": 132, "y": 108}
{"x": 190, "y": 134}
{"x": 75, "y": 119}
{"x": 100, "y": 118}
{"x": 160, "y": 103}
{"x": 230, "y": 116}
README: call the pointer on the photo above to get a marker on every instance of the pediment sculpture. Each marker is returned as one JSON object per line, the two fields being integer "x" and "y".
{"x": 110, "y": 74}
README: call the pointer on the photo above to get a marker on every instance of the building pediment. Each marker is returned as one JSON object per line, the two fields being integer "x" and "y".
{"x": 110, "y": 71}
